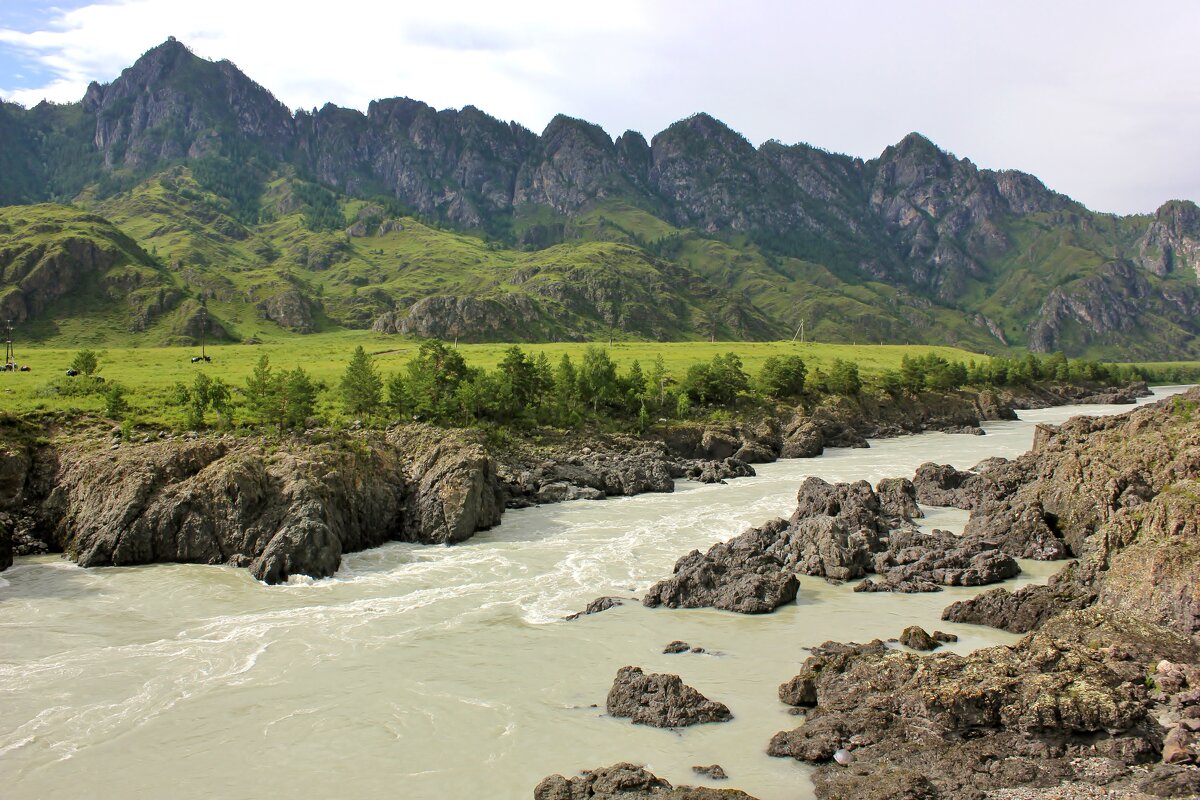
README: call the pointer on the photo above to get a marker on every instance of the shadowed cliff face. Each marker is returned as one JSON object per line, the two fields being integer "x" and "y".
{"x": 1016, "y": 261}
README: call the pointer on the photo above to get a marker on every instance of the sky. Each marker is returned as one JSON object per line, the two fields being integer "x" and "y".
{"x": 1099, "y": 99}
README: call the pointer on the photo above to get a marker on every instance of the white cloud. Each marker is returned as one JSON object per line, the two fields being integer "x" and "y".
{"x": 1099, "y": 101}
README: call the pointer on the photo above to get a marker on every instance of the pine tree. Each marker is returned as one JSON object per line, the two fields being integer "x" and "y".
{"x": 261, "y": 390}
{"x": 397, "y": 395}
{"x": 362, "y": 388}
{"x": 298, "y": 396}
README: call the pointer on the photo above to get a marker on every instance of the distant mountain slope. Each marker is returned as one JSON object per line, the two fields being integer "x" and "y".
{"x": 453, "y": 223}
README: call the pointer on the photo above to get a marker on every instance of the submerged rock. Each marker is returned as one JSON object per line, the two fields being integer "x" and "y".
{"x": 598, "y": 605}
{"x": 660, "y": 700}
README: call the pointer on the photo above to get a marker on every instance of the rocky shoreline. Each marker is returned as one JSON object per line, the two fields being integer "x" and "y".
{"x": 293, "y": 506}
{"x": 105, "y": 502}
{"x": 1101, "y": 699}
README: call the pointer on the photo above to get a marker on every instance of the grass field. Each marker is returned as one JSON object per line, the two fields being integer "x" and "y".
{"x": 151, "y": 372}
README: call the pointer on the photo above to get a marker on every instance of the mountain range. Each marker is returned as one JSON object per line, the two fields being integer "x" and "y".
{"x": 184, "y": 185}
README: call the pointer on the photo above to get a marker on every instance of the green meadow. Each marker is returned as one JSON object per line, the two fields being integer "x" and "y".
{"x": 151, "y": 372}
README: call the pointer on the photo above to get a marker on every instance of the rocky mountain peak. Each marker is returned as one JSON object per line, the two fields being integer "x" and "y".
{"x": 172, "y": 104}
{"x": 700, "y": 131}
{"x": 1173, "y": 239}
{"x": 574, "y": 163}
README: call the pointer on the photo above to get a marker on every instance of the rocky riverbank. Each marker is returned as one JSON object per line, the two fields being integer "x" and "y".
{"x": 1100, "y": 699}
{"x": 294, "y": 505}
{"x": 1104, "y": 691}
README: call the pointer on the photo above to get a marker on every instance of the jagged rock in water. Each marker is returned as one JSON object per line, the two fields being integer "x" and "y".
{"x": 807, "y": 441}
{"x": 754, "y": 453}
{"x": 1025, "y": 609}
{"x": 719, "y": 471}
{"x": 731, "y": 576}
{"x": 625, "y": 782}
{"x": 660, "y": 700}
{"x": 712, "y": 772}
{"x": 943, "y": 485}
{"x": 838, "y": 531}
{"x": 561, "y": 491}
{"x": 1072, "y": 704}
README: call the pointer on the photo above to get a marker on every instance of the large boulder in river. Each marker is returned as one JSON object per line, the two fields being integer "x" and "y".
{"x": 663, "y": 701}
{"x": 838, "y": 531}
{"x": 734, "y": 576}
{"x": 625, "y": 782}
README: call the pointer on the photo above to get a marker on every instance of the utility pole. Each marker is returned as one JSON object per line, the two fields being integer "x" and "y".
{"x": 10, "y": 355}
{"x": 799, "y": 332}
{"x": 203, "y": 328}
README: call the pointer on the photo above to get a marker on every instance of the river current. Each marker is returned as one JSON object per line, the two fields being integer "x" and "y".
{"x": 440, "y": 672}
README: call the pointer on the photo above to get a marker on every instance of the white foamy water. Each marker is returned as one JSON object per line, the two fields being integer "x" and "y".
{"x": 437, "y": 672}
